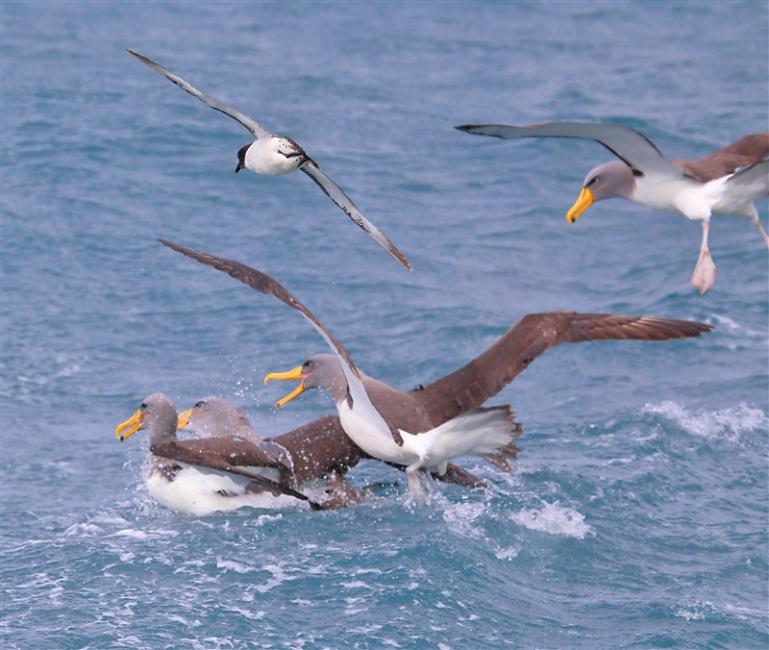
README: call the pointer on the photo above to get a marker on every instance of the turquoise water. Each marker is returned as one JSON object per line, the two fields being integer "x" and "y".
{"x": 637, "y": 515}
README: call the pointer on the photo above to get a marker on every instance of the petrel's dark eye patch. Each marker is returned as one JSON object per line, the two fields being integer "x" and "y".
{"x": 591, "y": 181}
{"x": 200, "y": 404}
{"x": 143, "y": 406}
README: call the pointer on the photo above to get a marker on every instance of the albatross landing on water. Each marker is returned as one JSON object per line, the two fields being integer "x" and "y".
{"x": 727, "y": 181}
{"x": 272, "y": 155}
{"x": 430, "y": 426}
{"x": 201, "y": 478}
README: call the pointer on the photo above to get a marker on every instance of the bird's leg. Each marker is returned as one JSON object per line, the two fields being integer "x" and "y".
{"x": 415, "y": 485}
{"x": 753, "y": 216}
{"x": 704, "y": 276}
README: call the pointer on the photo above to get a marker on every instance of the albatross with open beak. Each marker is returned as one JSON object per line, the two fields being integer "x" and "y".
{"x": 272, "y": 155}
{"x": 727, "y": 181}
{"x": 381, "y": 419}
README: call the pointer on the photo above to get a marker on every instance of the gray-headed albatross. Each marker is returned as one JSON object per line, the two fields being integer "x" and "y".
{"x": 429, "y": 427}
{"x": 727, "y": 181}
{"x": 320, "y": 451}
{"x": 272, "y": 155}
{"x": 207, "y": 481}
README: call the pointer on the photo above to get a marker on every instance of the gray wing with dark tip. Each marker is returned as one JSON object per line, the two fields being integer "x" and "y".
{"x": 256, "y": 129}
{"x": 344, "y": 202}
{"x": 631, "y": 146}
{"x": 488, "y": 373}
{"x": 269, "y": 286}
{"x": 753, "y": 176}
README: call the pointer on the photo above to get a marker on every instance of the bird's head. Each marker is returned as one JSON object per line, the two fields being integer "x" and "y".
{"x": 612, "y": 179}
{"x": 156, "y": 413}
{"x": 320, "y": 371}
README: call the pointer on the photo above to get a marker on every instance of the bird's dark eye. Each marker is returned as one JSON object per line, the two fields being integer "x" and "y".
{"x": 143, "y": 406}
{"x": 200, "y": 404}
{"x": 307, "y": 364}
{"x": 591, "y": 181}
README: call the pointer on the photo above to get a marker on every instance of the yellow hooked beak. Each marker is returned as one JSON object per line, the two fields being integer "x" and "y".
{"x": 296, "y": 373}
{"x": 130, "y": 426}
{"x": 583, "y": 202}
{"x": 183, "y": 419}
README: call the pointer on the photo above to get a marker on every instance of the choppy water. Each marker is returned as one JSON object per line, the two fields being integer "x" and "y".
{"x": 637, "y": 515}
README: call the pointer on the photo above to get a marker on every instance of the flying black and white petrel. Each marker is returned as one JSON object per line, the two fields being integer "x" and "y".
{"x": 272, "y": 155}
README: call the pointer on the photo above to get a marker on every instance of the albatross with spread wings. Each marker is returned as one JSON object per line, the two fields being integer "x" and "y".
{"x": 727, "y": 181}
{"x": 271, "y": 155}
{"x": 430, "y": 426}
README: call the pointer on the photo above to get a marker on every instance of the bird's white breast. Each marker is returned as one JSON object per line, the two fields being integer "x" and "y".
{"x": 373, "y": 442}
{"x": 694, "y": 200}
{"x": 264, "y": 157}
{"x": 195, "y": 492}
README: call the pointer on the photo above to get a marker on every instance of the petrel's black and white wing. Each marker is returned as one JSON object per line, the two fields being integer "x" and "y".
{"x": 631, "y": 146}
{"x": 344, "y": 202}
{"x": 256, "y": 129}
{"x": 265, "y": 284}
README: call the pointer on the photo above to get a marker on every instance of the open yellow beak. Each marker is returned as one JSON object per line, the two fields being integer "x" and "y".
{"x": 583, "y": 202}
{"x": 130, "y": 426}
{"x": 183, "y": 419}
{"x": 296, "y": 373}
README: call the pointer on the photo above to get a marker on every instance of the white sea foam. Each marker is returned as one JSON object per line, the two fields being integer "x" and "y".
{"x": 461, "y": 517}
{"x": 728, "y": 423}
{"x": 553, "y": 519}
{"x": 231, "y": 565}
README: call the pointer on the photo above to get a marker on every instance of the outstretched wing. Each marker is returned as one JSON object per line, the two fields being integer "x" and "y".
{"x": 267, "y": 285}
{"x": 344, "y": 202}
{"x": 226, "y": 455}
{"x": 752, "y": 179}
{"x": 487, "y": 374}
{"x": 631, "y": 146}
{"x": 257, "y": 130}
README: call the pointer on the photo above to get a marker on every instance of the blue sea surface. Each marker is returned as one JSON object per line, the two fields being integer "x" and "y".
{"x": 637, "y": 515}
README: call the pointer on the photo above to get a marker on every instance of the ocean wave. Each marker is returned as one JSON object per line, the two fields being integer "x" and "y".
{"x": 728, "y": 423}
{"x": 553, "y": 519}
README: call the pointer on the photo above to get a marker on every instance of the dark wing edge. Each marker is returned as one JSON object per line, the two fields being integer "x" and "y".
{"x": 256, "y": 129}
{"x": 614, "y": 137}
{"x": 471, "y": 385}
{"x": 187, "y": 451}
{"x": 263, "y": 283}
{"x": 329, "y": 187}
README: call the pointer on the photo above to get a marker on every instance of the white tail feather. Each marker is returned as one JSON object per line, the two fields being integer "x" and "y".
{"x": 474, "y": 433}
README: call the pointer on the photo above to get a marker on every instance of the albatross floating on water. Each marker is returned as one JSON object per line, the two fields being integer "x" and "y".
{"x": 200, "y": 479}
{"x": 272, "y": 155}
{"x": 446, "y": 414}
{"x": 726, "y": 181}
{"x": 317, "y": 451}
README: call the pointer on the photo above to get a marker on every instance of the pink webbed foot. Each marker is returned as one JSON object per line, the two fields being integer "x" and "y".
{"x": 704, "y": 276}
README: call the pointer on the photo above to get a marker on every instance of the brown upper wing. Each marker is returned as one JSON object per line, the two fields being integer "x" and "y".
{"x": 226, "y": 454}
{"x": 487, "y": 374}
{"x": 748, "y": 150}
{"x": 264, "y": 284}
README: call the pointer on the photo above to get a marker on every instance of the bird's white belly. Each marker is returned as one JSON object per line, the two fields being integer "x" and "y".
{"x": 195, "y": 492}
{"x": 373, "y": 442}
{"x": 694, "y": 200}
{"x": 663, "y": 193}
{"x": 264, "y": 158}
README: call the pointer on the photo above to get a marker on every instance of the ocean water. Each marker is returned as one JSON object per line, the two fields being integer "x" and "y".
{"x": 637, "y": 514}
